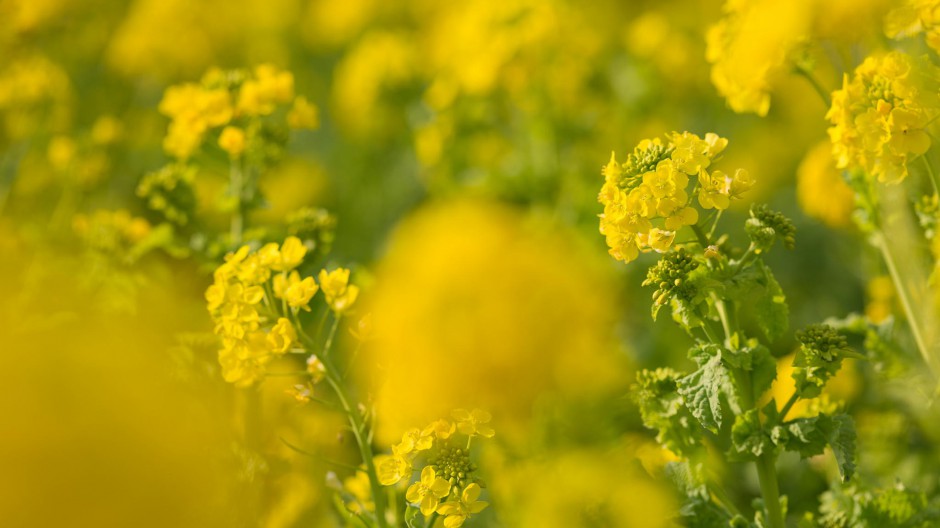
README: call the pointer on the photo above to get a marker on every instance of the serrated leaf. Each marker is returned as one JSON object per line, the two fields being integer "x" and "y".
{"x": 747, "y": 437}
{"x": 842, "y": 441}
{"x": 773, "y": 315}
{"x": 810, "y": 436}
{"x": 700, "y": 512}
{"x": 661, "y": 408}
{"x": 704, "y": 390}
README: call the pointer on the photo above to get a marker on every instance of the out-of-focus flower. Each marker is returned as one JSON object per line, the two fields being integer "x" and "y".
{"x": 842, "y": 388}
{"x": 911, "y": 17}
{"x": 750, "y": 47}
{"x": 880, "y": 116}
{"x": 599, "y": 489}
{"x": 503, "y": 304}
{"x": 881, "y": 299}
{"x": 232, "y": 140}
{"x": 820, "y": 189}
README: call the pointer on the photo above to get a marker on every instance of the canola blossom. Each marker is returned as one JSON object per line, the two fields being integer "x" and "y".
{"x": 306, "y": 263}
{"x": 652, "y": 185}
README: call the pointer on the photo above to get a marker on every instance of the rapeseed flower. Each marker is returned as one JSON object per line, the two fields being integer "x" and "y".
{"x": 880, "y": 115}
{"x": 651, "y": 187}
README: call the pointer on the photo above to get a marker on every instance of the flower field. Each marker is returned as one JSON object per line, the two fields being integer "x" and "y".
{"x": 422, "y": 264}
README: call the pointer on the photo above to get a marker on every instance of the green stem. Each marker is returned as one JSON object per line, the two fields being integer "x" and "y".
{"x": 933, "y": 176}
{"x": 431, "y": 520}
{"x": 355, "y": 421}
{"x": 906, "y": 304}
{"x": 700, "y": 235}
{"x": 329, "y": 340}
{"x": 787, "y": 406}
{"x": 816, "y": 86}
{"x": 767, "y": 474}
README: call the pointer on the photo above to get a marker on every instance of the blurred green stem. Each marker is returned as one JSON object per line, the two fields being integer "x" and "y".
{"x": 767, "y": 474}
{"x": 905, "y": 297}
{"x": 806, "y": 74}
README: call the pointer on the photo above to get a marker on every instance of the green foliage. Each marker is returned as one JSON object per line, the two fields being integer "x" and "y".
{"x": 749, "y": 440}
{"x": 851, "y": 507}
{"x": 711, "y": 385}
{"x": 819, "y": 358}
{"x": 766, "y": 226}
{"x": 671, "y": 276}
{"x": 771, "y": 308}
{"x": 662, "y": 409}
{"x": 810, "y": 436}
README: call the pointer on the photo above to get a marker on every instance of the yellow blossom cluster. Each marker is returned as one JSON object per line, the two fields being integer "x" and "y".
{"x": 880, "y": 116}
{"x": 227, "y": 100}
{"x": 652, "y": 186}
{"x": 911, "y": 17}
{"x": 751, "y": 45}
{"x": 250, "y": 297}
{"x": 448, "y": 472}
{"x": 111, "y": 231}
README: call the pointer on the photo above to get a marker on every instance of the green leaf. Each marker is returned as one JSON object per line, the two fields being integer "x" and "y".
{"x": 842, "y": 441}
{"x": 771, "y": 308}
{"x": 706, "y": 388}
{"x": 757, "y": 360}
{"x": 661, "y": 408}
{"x": 411, "y": 518}
{"x": 747, "y": 438}
{"x": 810, "y": 436}
{"x": 701, "y": 512}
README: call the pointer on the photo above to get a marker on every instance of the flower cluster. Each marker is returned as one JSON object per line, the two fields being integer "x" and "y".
{"x": 448, "y": 472}
{"x": 751, "y": 45}
{"x": 652, "y": 186}
{"x": 169, "y": 191}
{"x": 249, "y": 298}
{"x": 911, "y": 17}
{"x": 113, "y": 232}
{"x": 881, "y": 114}
{"x": 226, "y": 101}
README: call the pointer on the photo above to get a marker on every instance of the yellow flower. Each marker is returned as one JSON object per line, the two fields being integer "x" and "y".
{"x": 820, "y": 189}
{"x": 414, "y": 440}
{"x": 316, "y": 369}
{"x": 690, "y": 152}
{"x": 682, "y": 217}
{"x": 291, "y": 254}
{"x": 660, "y": 240}
{"x": 879, "y": 116}
{"x": 612, "y": 171}
{"x": 303, "y": 114}
{"x": 392, "y": 468}
{"x": 360, "y": 488}
{"x": 442, "y": 429}
{"x": 457, "y": 512}
{"x": 340, "y": 295}
{"x": 472, "y": 423}
{"x": 282, "y": 336}
{"x": 232, "y": 140}
{"x": 428, "y": 491}
{"x": 714, "y": 190}
{"x": 906, "y": 130}
{"x": 740, "y": 183}
{"x": 466, "y": 343}
{"x": 299, "y": 292}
